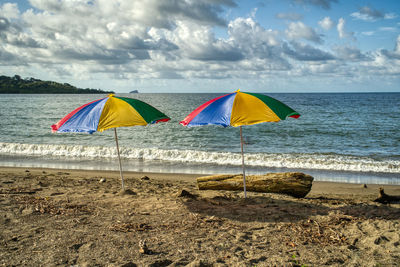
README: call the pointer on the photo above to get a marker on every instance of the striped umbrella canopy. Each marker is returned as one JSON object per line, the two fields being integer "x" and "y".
{"x": 109, "y": 112}
{"x": 238, "y": 109}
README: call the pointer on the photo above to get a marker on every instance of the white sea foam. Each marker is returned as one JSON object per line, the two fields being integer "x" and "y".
{"x": 293, "y": 161}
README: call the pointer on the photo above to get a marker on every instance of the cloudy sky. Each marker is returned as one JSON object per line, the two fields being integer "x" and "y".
{"x": 205, "y": 45}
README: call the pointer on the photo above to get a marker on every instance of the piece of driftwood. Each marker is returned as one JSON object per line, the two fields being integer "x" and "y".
{"x": 385, "y": 198}
{"x": 295, "y": 184}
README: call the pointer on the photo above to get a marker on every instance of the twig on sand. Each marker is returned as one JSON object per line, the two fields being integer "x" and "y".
{"x": 385, "y": 198}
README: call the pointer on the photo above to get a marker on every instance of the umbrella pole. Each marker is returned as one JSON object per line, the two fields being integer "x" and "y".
{"x": 244, "y": 174}
{"x": 119, "y": 159}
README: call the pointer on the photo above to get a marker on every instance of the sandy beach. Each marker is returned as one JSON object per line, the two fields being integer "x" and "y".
{"x": 51, "y": 217}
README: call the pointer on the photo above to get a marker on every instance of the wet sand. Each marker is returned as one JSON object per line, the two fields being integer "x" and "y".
{"x": 51, "y": 217}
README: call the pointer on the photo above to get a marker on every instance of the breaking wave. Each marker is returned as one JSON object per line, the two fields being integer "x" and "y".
{"x": 333, "y": 162}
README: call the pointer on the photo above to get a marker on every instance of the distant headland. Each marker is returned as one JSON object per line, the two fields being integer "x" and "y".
{"x": 134, "y": 92}
{"x": 17, "y": 85}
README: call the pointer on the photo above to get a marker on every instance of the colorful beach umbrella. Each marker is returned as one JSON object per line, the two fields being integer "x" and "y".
{"x": 238, "y": 109}
{"x": 109, "y": 112}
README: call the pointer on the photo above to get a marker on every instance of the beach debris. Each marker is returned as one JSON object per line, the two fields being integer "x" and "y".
{"x": 385, "y": 198}
{"x": 186, "y": 194}
{"x": 63, "y": 173}
{"x": 45, "y": 205}
{"x": 27, "y": 211}
{"x": 145, "y": 178}
{"x": 56, "y": 194}
{"x": 19, "y": 190}
{"x": 365, "y": 186}
{"x": 102, "y": 180}
{"x": 164, "y": 262}
{"x": 294, "y": 184}
{"x": 318, "y": 232}
{"x": 143, "y": 247}
{"x": 42, "y": 184}
{"x": 381, "y": 239}
{"x": 129, "y": 264}
{"x": 198, "y": 263}
{"x": 126, "y": 192}
{"x": 76, "y": 246}
{"x": 130, "y": 227}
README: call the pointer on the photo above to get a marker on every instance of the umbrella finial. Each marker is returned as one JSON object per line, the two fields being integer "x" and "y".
{"x": 111, "y": 95}
{"x": 237, "y": 91}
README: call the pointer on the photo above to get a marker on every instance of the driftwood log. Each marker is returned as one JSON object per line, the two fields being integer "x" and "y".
{"x": 385, "y": 198}
{"x": 295, "y": 184}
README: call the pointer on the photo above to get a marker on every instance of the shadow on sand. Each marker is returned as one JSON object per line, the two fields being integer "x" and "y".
{"x": 276, "y": 208}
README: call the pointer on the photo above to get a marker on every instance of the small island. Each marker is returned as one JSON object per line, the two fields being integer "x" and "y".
{"x": 17, "y": 85}
{"x": 134, "y": 92}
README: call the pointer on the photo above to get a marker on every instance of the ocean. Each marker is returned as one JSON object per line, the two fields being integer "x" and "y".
{"x": 342, "y": 137}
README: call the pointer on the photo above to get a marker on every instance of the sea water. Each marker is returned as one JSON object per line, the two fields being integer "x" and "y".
{"x": 344, "y": 137}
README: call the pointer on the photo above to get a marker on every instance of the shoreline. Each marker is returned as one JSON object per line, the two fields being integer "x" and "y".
{"x": 347, "y": 169}
{"x": 59, "y": 217}
{"x": 318, "y": 187}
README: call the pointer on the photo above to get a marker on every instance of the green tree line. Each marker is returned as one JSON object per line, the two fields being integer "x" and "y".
{"x": 17, "y": 85}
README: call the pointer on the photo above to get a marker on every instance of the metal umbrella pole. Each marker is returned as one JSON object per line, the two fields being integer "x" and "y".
{"x": 119, "y": 159}
{"x": 244, "y": 174}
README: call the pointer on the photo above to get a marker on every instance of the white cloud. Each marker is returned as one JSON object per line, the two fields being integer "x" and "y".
{"x": 395, "y": 54}
{"x": 388, "y": 29}
{"x": 248, "y": 33}
{"x": 359, "y": 16}
{"x": 326, "y": 23}
{"x": 384, "y": 62}
{"x": 367, "y": 13}
{"x": 9, "y": 11}
{"x": 298, "y": 30}
{"x": 330, "y": 68}
{"x": 390, "y": 16}
{"x": 349, "y": 53}
{"x": 370, "y": 33}
{"x": 198, "y": 43}
{"x": 397, "y": 46}
{"x": 305, "y": 52}
{"x": 256, "y": 42}
{"x": 289, "y": 16}
{"x": 4, "y": 24}
{"x": 341, "y": 30}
